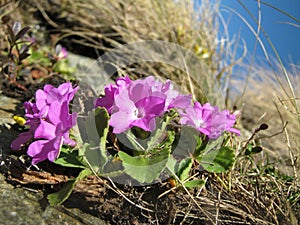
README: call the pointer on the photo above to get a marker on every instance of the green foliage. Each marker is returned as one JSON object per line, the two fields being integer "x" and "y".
{"x": 213, "y": 156}
{"x": 38, "y": 57}
{"x": 150, "y": 163}
{"x": 69, "y": 158}
{"x": 183, "y": 173}
{"x": 194, "y": 183}
{"x": 93, "y": 154}
{"x": 145, "y": 168}
{"x": 218, "y": 161}
{"x": 184, "y": 168}
{"x": 181, "y": 170}
{"x": 62, "y": 66}
{"x": 141, "y": 141}
{"x": 62, "y": 195}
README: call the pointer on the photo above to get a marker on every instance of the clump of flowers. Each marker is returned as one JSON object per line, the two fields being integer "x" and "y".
{"x": 129, "y": 103}
{"x": 208, "y": 120}
{"x": 148, "y": 114}
{"x": 49, "y": 123}
{"x": 138, "y": 103}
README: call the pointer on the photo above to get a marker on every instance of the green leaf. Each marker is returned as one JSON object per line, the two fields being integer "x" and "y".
{"x": 93, "y": 154}
{"x": 59, "y": 197}
{"x": 145, "y": 168}
{"x": 172, "y": 166}
{"x": 158, "y": 136}
{"x": 96, "y": 126}
{"x": 140, "y": 140}
{"x": 69, "y": 158}
{"x": 218, "y": 160}
{"x": 194, "y": 184}
{"x": 75, "y": 135}
{"x": 184, "y": 168}
{"x": 210, "y": 147}
{"x": 130, "y": 141}
{"x": 92, "y": 158}
{"x": 201, "y": 145}
{"x": 187, "y": 142}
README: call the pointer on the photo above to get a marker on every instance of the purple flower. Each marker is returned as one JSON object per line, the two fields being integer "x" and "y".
{"x": 136, "y": 110}
{"x": 44, "y": 98}
{"x": 137, "y": 103}
{"x": 209, "y": 120}
{"x": 173, "y": 99}
{"x": 110, "y": 92}
{"x": 50, "y": 121}
{"x": 60, "y": 52}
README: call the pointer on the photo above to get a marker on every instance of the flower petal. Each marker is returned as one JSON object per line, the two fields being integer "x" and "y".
{"x": 43, "y": 149}
{"x": 21, "y": 139}
{"x": 38, "y": 150}
{"x": 45, "y": 130}
{"x": 120, "y": 121}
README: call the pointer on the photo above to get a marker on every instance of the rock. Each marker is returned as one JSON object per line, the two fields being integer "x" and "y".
{"x": 20, "y": 206}
{"x": 89, "y": 71}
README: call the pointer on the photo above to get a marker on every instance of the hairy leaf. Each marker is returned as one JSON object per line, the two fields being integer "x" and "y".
{"x": 145, "y": 168}
{"x": 218, "y": 161}
{"x": 93, "y": 153}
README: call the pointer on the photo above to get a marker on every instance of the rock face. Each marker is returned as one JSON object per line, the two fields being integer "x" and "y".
{"x": 21, "y": 206}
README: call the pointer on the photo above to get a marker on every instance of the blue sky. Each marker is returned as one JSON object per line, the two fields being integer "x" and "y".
{"x": 285, "y": 37}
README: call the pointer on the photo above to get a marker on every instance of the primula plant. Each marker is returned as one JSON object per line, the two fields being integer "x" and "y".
{"x": 139, "y": 132}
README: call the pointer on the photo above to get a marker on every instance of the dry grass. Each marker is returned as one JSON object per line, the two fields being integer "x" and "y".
{"x": 100, "y": 26}
{"x": 265, "y": 101}
{"x": 255, "y": 191}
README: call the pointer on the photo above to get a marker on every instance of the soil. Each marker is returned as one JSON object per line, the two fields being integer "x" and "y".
{"x": 11, "y": 90}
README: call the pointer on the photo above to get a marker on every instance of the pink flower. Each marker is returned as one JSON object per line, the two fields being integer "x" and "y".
{"x": 60, "y": 52}
{"x": 137, "y": 103}
{"x": 110, "y": 92}
{"x": 136, "y": 110}
{"x": 209, "y": 120}
{"x": 50, "y": 121}
{"x": 173, "y": 99}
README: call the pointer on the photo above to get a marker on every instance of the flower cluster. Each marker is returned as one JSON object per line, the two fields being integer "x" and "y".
{"x": 208, "y": 120}
{"x": 130, "y": 104}
{"x": 50, "y": 121}
{"x": 138, "y": 103}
